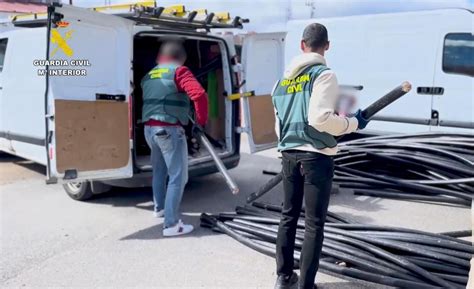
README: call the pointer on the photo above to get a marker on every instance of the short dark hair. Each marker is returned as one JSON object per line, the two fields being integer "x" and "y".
{"x": 315, "y": 36}
{"x": 173, "y": 49}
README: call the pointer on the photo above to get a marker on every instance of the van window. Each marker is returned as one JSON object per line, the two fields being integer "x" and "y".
{"x": 3, "y": 49}
{"x": 458, "y": 53}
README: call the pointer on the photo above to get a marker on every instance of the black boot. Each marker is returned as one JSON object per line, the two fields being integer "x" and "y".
{"x": 287, "y": 282}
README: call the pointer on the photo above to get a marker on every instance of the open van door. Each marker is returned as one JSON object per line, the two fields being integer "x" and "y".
{"x": 263, "y": 64}
{"x": 87, "y": 112}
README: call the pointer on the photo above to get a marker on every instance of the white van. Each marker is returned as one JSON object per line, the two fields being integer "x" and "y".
{"x": 81, "y": 117}
{"x": 434, "y": 50}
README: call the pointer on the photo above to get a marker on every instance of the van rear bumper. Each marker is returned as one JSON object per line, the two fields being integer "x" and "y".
{"x": 143, "y": 179}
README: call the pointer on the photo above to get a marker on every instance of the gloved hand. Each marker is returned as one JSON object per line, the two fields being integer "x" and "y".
{"x": 194, "y": 145}
{"x": 361, "y": 120}
{"x": 197, "y": 129}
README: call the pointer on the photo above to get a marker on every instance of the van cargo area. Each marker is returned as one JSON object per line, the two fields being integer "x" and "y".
{"x": 207, "y": 59}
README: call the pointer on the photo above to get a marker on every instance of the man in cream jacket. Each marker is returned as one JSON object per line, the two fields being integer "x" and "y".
{"x": 305, "y": 103}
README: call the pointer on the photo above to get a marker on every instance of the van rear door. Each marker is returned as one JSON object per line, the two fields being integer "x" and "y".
{"x": 88, "y": 94}
{"x": 263, "y": 64}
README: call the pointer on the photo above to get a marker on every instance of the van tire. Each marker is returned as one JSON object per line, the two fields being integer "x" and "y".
{"x": 79, "y": 191}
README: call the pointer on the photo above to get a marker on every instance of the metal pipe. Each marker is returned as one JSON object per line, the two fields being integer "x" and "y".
{"x": 220, "y": 165}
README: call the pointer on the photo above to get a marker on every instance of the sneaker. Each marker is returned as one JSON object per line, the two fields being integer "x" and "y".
{"x": 178, "y": 229}
{"x": 287, "y": 282}
{"x": 159, "y": 214}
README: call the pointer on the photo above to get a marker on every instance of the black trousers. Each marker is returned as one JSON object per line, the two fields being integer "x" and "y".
{"x": 306, "y": 175}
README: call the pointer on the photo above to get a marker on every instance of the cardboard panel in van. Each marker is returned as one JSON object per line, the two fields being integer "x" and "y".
{"x": 91, "y": 135}
{"x": 262, "y": 117}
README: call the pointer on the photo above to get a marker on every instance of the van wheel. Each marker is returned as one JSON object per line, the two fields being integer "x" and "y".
{"x": 79, "y": 191}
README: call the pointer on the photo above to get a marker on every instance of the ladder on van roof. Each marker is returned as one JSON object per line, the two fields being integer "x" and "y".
{"x": 150, "y": 13}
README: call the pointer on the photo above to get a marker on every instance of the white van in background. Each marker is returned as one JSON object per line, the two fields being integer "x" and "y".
{"x": 434, "y": 50}
{"x": 87, "y": 130}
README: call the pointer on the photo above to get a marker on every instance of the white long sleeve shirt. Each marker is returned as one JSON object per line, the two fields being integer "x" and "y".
{"x": 322, "y": 104}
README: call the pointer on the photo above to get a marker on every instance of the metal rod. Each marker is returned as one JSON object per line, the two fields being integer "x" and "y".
{"x": 220, "y": 165}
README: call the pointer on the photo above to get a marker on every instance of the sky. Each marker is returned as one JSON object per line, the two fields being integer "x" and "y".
{"x": 272, "y": 15}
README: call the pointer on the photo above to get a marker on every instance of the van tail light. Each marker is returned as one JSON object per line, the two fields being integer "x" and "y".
{"x": 51, "y": 152}
{"x": 130, "y": 117}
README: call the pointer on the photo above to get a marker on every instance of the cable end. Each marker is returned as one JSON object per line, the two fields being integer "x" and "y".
{"x": 406, "y": 86}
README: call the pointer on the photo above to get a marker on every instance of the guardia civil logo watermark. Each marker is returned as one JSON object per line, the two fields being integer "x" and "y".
{"x": 73, "y": 67}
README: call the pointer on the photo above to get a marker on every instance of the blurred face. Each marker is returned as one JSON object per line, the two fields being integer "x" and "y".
{"x": 178, "y": 61}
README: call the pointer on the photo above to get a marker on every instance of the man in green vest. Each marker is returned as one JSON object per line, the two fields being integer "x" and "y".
{"x": 305, "y": 104}
{"x": 168, "y": 90}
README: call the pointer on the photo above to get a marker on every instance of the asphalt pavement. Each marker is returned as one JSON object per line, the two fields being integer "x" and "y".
{"x": 49, "y": 240}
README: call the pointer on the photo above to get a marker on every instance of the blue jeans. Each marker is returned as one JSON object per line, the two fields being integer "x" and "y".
{"x": 169, "y": 157}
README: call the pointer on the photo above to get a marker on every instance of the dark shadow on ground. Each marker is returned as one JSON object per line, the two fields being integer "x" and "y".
{"x": 124, "y": 197}
{"x": 8, "y": 158}
{"x": 210, "y": 193}
{"x": 30, "y": 165}
{"x": 155, "y": 232}
{"x": 37, "y": 168}
{"x": 202, "y": 194}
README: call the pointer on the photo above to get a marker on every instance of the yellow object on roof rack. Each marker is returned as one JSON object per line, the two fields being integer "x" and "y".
{"x": 222, "y": 17}
{"x": 109, "y": 8}
{"x": 128, "y": 7}
{"x": 175, "y": 10}
{"x": 148, "y": 12}
{"x": 201, "y": 11}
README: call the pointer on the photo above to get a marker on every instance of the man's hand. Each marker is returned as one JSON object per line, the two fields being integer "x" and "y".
{"x": 192, "y": 136}
{"x": 197, "y": 129}
{"x": 362, "y": 122}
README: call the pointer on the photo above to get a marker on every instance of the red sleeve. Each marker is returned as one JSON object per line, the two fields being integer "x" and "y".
{"x": 186, "y": 82}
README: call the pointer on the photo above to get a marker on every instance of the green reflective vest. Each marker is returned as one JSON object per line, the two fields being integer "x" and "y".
{"x": 161, "y": 99}
{"x": 291, "y": 100}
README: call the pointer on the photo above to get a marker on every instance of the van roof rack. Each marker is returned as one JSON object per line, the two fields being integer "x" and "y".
{"x": 149, "y": 12}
